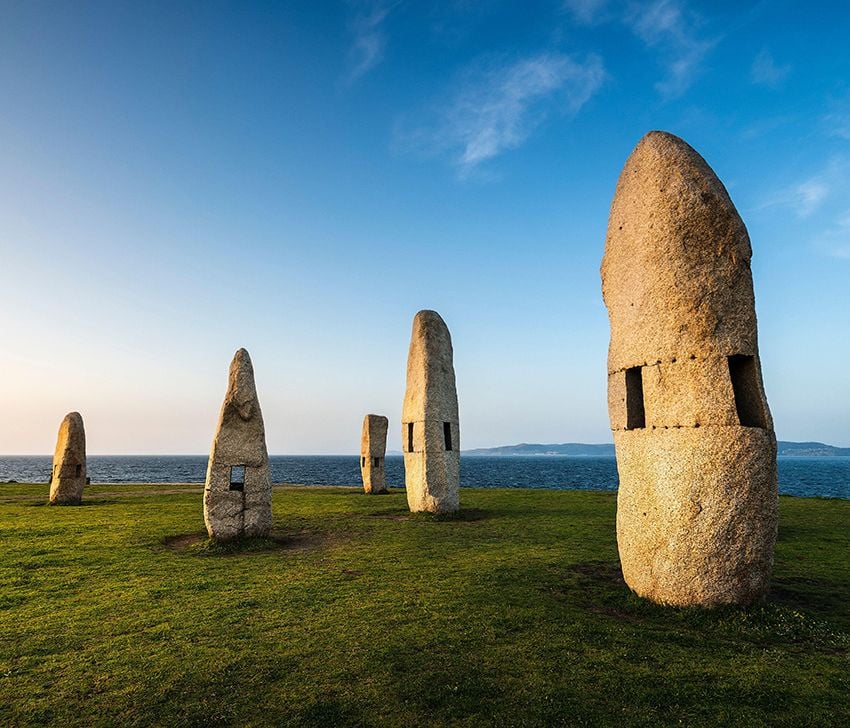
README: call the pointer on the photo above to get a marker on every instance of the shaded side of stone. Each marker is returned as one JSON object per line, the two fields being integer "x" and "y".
{"x": 373, "y": 449}
{"x": 68, "y": 477}
{"x": 696, "y": 451}
{"x": 430, "y": 422}
{"x": 237, "y": 493}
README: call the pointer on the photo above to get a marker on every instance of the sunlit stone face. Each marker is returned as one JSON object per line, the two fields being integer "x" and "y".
{"x": 696, "y": 452}
{"x": 430, "y": 422}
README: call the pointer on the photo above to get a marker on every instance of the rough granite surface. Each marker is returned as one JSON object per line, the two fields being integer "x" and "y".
{"x": 430, "y": 419}
{"x": 373, "y": 450}
{"x": 69, "y": 463}
{"x": 697, "y": 507}
{"x": 240, "y": 440}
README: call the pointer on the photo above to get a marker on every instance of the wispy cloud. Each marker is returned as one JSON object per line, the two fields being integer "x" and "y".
{"x": 496, "y": 109}
{"x": 367, "y": 27}
{"x": 669, "y": 26}
{"x": 766, "y": 72}
{"x": 837, "y": 121}
{"x": 806, "y": 196}
{"x": 838, "y": 125}
{"x": 835, "y": 240}
{"x": 587, "y": 12}
{"x": 820, "y": 200}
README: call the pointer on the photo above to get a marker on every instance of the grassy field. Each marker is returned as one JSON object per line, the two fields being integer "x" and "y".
{"x": 357, "y": 613}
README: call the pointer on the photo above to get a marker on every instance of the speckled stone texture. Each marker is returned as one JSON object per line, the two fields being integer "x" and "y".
{"x": 233, "y": 509}
{"x": 697, "y": 507}
{"x": 69, "y": 463}
{"x": 430, "y": 422}
{"x": 373, "y": 450}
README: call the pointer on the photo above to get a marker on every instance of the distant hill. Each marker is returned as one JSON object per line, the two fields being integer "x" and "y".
{"x": 568, "y": 448}
{"x": 787, "y": 449}
{"x": 809, "y": 449}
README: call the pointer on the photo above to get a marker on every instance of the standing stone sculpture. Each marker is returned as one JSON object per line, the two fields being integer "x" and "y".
{"x": 430, "y": 422}
{"x": 69, "y": 463}
{"x": 238, "y": 491}
{"x": 373, "y": 450}
{"x": 697, "y": 506}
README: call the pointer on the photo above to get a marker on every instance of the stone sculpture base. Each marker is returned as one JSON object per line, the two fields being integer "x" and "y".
{"x": 432, "y": 481}
{"x": 697, "y": 513}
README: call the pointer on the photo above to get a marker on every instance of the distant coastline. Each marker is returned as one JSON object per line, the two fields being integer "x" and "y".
{"x": 577, "y": 449}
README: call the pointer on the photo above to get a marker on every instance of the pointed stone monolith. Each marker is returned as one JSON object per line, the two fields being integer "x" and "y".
{"x": 69, "y": 463}
{"x": 696, "y": 452}
{"x": 373, "y": 450}
{"x": 430, "y": 422}
{"x": 238, "y": 492}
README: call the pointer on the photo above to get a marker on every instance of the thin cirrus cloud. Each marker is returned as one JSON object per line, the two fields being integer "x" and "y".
{"x": 370, "y": 39}
{"x": 835, "y": 240}
{"x": 667, "y": 27}
{"x": 804, "y": 198}
{"x": 766, "y": 72}
{"x": 497, "y": 108}
{"x": 587, "y": 12}
{"x": 823, "y": 194}
{"x": 838, "y": 125}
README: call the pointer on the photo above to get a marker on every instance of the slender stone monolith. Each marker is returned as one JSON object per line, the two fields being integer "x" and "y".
{"x": 373, "y": 450}
{"x": 696, "y": 452}
{"x": 430, "y": 423}
{"x": 238, "y": 492}
{"x": 69, "y": 463}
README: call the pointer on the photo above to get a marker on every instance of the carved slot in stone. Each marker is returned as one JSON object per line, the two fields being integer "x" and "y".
{"x": 447, "y": 435}
{"x": 742, "y": 371}
{"x": 362, "y": 462}
{"x": 409, "y": 437}
{"x": 635, "y": 413}
{"x": 237, "y": 477}
{"x": 376, "y": 462}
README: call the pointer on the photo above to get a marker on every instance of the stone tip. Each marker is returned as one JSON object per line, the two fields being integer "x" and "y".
{"x": 426, "y": 317}
{"x": 242, "y": 360}
{"x": 74, "y": 420}
{"x": 672, "y": 151}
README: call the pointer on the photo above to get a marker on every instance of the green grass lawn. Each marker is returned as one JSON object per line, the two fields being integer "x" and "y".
{"x": 357, "y": 613}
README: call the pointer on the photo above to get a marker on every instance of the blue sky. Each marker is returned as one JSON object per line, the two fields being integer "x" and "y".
{"x": 180, "y": 179}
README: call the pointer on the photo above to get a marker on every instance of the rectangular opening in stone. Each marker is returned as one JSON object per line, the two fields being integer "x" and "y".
{"x": 635, "y": 414}
{"x": 237, "y": 477}
{"x": 409, "y": 437}
{"x": 363, "y": 462}
{"x": 742, "y": 372}
{"x": 447, "y": 435}
{"x": 376, "y": 462}
{"x": 79, "y": 471}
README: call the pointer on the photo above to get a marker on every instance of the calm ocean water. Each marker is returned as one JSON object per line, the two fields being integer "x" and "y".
{"x": 803, "y": 476}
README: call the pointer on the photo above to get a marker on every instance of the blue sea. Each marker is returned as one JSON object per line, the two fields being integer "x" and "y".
{"x": 803, "y": 476}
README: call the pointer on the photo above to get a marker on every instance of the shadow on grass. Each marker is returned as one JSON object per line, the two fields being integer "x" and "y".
{"x": 784, "y": 617}
{"x": 87, "y": 502}
{"x": 199, "y": 544}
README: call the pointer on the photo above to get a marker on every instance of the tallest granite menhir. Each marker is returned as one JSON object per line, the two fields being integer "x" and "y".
{"x": 696, "y": 452}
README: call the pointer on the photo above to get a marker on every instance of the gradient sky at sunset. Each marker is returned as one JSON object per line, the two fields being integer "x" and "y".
{"x": 179, "y": 179}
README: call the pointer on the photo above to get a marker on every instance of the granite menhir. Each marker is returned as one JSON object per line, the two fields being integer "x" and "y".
{"x": 373, "y": 450}
{"x": 430, "y": 423}
{"x": 238, "y": 491}
{"x": 696, "y": 452}
{"x": 69, "y": 463}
